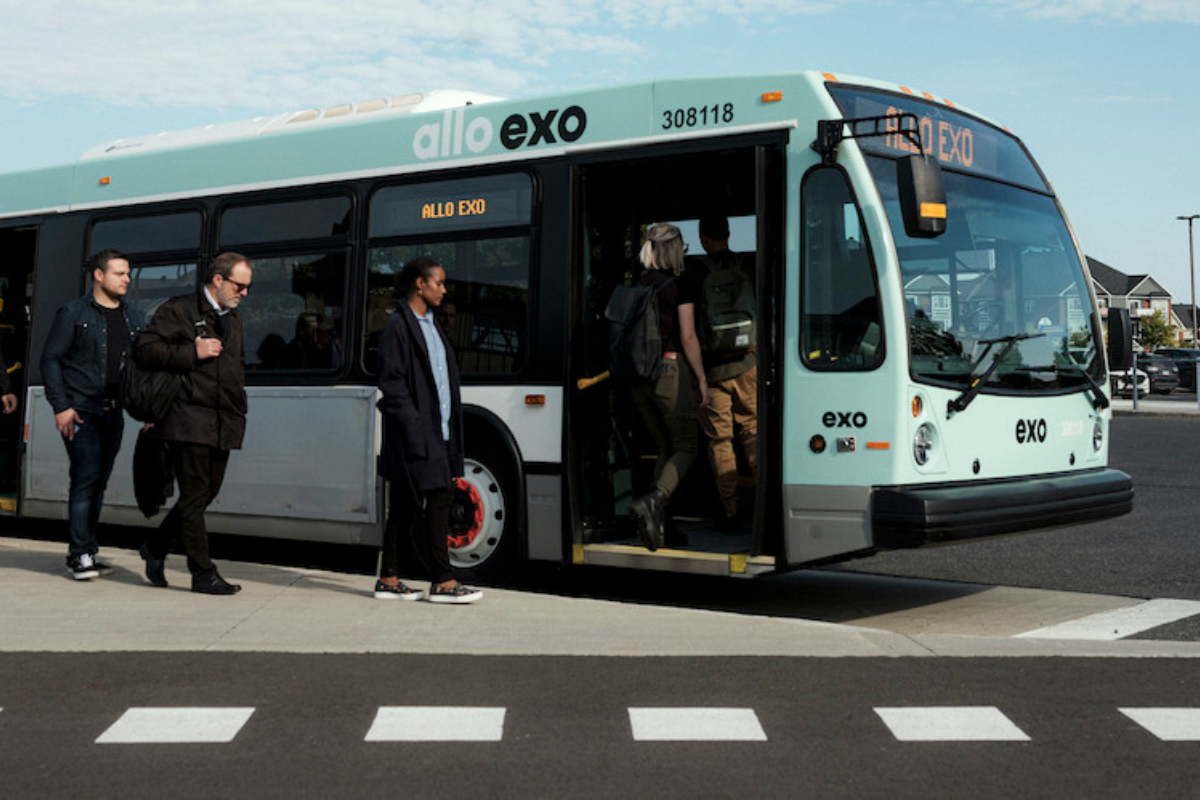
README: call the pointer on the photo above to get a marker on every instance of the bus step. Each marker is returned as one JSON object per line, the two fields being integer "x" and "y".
{"x": 741, "y": 565}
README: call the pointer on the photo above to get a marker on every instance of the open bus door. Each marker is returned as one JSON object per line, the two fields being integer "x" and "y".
{"x": 18, "y": 248}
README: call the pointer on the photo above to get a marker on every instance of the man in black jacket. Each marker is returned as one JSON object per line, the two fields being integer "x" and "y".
{"x": 81, "y": 366}
{"x": 202, "y": 335}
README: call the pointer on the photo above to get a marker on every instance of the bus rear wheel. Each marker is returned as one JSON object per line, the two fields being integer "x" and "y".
{"x": 482, "y": 522}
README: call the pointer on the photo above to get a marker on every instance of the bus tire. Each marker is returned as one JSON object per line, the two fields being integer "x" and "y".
{"x": 483, "y": 519}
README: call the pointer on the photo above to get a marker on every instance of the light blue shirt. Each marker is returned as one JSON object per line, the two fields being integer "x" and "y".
{"x": 441, "y": 370}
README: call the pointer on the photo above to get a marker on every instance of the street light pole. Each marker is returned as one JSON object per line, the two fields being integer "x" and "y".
{"x": 1192, "y": 264}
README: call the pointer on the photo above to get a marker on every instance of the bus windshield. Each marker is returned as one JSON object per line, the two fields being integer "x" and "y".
{"x": 1005, "y": 279}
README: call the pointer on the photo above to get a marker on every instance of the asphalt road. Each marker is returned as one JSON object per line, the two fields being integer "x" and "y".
{"x": 575, "y": 727}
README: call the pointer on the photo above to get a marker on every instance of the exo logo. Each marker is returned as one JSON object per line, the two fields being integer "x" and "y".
{"x": 454, "y": 134}
{"x": 571, "y": 126}
{"x": 1031, "y": 430}
{"x": 844, "y": 419}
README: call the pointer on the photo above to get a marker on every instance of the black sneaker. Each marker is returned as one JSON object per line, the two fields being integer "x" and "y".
{"x": 82, "y": 567}
{"x": 214, "y": 584}
{"x": 647, "y": 511}
{"x": 455, "y": 594}
{"x": 101, "y": 567}
{"x": 398, "y": 592}
{"x": 154, "y": 567}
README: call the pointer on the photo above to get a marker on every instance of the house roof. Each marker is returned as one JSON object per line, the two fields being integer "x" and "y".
{"x": 1118, "y": 283}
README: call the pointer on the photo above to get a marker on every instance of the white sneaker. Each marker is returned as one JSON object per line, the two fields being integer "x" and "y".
{"x": 82, "y": 567}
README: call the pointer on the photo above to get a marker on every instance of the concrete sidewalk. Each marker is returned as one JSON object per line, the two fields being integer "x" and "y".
{"x": 1155, "y": 407}
{"x": 285, "y": 609}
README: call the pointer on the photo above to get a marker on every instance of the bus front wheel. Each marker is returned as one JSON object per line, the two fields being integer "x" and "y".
{"x": 482, "y": 521}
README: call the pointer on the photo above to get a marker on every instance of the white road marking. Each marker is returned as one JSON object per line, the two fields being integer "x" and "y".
{"x": 696, "y": 725}
{"x": 950, "y": 724}
{"x": 437, "y": 724}
{"x": 176, "y": 726}
{"x": 1168, "y": 724}
{"x": 1117, "y": 624}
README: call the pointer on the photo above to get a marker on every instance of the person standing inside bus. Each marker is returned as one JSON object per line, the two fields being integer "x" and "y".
{"x": 731, "y": 368}
{"x": 200, "y": 334}
{"x": 668, "y": 406}
{"x": 8, "y": 400}
{"x": 81, "y": 367}
{"x": 422, "y": 450}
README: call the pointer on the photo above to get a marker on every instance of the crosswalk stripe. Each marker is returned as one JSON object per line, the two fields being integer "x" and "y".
{"x": 1109, "y": 626}
{"x": 176, "y": 726}
{"x": 1168, "y": 724}
{"x": 696, "y": 725}
{"x": 437, "y": 724}
{"x": 950, "y": 724}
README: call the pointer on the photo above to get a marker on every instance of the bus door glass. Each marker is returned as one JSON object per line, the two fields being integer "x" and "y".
{"x": 621, "y": 452}
{"x": 19, "y": 246}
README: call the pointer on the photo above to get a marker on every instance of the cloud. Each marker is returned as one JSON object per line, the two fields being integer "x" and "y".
{"x": 280, "y": 54}
{"x": 1153, "y": 11}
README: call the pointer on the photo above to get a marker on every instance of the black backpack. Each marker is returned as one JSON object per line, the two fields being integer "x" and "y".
{"x": 727, "y": 303}
{"x": 634, "y": 341}
{"x": 149, "y": 394}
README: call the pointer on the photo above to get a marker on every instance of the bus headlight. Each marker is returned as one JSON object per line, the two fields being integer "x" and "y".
{"x": 1097, "y": 435}
{"x": 923, "y": 445}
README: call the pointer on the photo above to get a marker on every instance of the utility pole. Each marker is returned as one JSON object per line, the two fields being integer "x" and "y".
{"x": 1192, "y": 264}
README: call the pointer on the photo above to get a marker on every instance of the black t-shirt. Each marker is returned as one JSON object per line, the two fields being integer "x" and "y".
{"x": 673, "y": 292}
{"x": 118, "y": 344}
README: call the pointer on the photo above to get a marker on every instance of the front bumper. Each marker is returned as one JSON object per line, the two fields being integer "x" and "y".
{"x": 911, "y": 516}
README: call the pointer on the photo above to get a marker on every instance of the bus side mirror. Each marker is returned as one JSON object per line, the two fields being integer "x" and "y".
{"x": 922, "y": 196}
{"x": 1120, "y": 340}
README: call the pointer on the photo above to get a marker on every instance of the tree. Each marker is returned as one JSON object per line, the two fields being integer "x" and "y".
{"x": 1156, "y": 331}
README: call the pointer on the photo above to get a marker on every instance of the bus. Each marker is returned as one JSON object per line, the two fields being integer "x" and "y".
{"x": 931, "y": 362}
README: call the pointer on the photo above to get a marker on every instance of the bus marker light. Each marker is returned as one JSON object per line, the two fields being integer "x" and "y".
{"x": 105, "y": 181}
{"x": 918, "y": 405}
{"x": 829, "y": 76}
{"x": 772, "y": 97}
{"x": 817, "y": 444}
{"x": 879, "y": 445}
{"x": 933, "y": 210}
{"x": 535, "y": 399}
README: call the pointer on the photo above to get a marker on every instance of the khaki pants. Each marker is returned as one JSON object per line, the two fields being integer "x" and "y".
{"x": 732, "y": 407}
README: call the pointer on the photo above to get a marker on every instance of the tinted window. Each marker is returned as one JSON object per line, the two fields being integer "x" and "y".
{"x": 151, "y": 284}
{"x": 298, "y": 220}
{"x": 486, "y": 309}
{"x": 841, "y": 328}
{"x": 150, "y": 234}
{"x": 294, "y": 315}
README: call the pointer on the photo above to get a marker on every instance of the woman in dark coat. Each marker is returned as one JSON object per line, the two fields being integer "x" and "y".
{"x": 422, "y": 432}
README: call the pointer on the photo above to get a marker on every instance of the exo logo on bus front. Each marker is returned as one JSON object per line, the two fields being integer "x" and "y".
{"x": 454, "y": 134}
{"x": 1030, "y": 431}
{"x": 951, "y": 144}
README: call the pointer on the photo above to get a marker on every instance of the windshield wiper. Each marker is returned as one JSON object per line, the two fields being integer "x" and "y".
{"x": 1099, "y": 403}
{"x": 961, "y": 402}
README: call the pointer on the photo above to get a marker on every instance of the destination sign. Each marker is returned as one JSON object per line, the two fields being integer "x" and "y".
{"x": 956, "y": 140}
{"x": 491, "y": 202}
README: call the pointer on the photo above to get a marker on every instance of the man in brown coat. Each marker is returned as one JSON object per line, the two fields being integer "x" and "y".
{"x": 200, "y": 334}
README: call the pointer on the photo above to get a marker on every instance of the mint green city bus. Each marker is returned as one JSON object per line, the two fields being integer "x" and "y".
{"x": 930, "y": 360}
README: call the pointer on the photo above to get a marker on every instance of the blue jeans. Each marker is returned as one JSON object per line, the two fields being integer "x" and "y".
{"x": 92, "y": 453}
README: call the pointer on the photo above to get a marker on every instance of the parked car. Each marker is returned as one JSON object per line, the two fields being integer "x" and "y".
{"x": 1185, "y": 361}
{"x": 1164, "y": 375}
{"x": 1122, "y": 387}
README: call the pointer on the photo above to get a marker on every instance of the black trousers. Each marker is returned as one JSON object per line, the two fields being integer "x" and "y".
{"x": 199, "y": 473}
{"x": 403, "y": 515}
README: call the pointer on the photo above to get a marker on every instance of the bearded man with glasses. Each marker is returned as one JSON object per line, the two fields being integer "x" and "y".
{"x": 200, "y": 334}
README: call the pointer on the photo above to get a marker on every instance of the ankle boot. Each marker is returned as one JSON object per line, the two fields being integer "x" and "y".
{"x": 648, "y": 511}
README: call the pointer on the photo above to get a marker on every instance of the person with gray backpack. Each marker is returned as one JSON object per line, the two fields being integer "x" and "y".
{"x": 727, "y": 329}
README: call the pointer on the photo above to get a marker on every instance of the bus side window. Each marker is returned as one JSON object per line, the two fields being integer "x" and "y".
{"x": 842, "y": 324}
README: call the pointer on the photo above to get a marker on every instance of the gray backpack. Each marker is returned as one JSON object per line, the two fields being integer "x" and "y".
{"x": 727, "y": 315}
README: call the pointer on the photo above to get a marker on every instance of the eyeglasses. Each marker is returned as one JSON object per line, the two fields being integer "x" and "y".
{"x": 243, "y": 288}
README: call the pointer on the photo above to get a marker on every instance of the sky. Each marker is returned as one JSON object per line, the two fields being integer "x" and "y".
{"x": 1105, "y": 93}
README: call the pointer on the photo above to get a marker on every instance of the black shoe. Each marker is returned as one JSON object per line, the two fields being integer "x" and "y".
{"x": 154, "y": 567}
{"x": 214, "y": 584}
{"x": 648, "y": 511}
